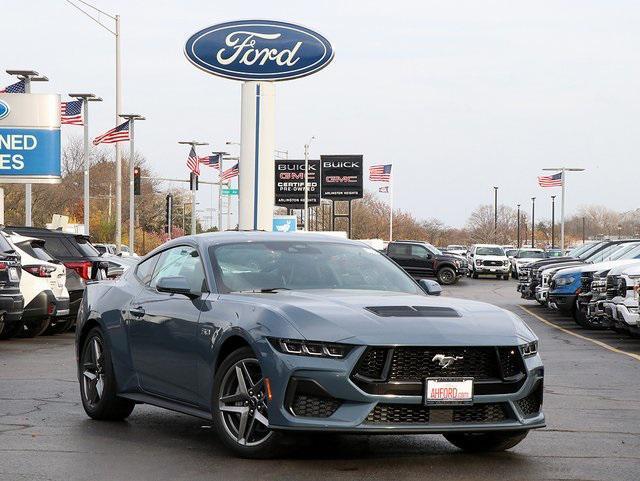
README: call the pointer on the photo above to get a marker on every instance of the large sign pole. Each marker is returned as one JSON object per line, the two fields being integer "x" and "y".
{"x": 257, "y": 145}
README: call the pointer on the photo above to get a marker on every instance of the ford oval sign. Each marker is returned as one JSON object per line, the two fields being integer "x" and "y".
{"x": 4, "y": 109}
{"x": 258, "y": 50}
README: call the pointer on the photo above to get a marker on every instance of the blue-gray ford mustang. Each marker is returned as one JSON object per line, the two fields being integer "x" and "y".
{"x": 269, "y": 333}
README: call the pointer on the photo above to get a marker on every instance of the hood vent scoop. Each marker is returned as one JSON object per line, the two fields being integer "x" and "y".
{"x": 413, "y": 311}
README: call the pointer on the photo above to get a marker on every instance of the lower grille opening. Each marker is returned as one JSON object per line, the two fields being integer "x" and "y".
{"x": 418, "y": 414}
{"x": 306, "y": 398}
{"x": 531, "y": 404}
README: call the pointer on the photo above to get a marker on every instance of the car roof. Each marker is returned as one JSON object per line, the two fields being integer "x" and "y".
{"x": 39, "y": 231}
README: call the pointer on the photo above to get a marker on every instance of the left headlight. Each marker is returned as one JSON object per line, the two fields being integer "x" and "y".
{"x": 299, "y": 347}
{"x": 529, "y": 349}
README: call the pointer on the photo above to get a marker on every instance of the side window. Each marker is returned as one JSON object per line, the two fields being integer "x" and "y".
{"x": 419, "y": 251}
{"x": 181, "y": 261}
{"x": 144, "y": 271}
{"x": 399, "y": 249}
{"x": 57, "y": 247}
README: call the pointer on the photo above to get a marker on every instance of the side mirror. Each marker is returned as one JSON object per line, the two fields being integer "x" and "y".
{"x": 175, "y": 285}
{"x": 432, "y": 288}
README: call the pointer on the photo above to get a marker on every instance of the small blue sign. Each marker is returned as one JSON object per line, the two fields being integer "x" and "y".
{"x": 29, "y": 152}
{"x": 259, "y": 50}
{"x": 284, "y": 223}
{"x": 4, "y": 109}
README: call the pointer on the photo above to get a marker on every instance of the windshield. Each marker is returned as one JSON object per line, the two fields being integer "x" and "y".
{"x": 432, "y": 248}
{"x": 530, "y": 255}
{"x": 554, "y": 253}
{"x": 489, "y": 251}
{"x": 299, "y": 265}
{"x": 590, "y": 250}
{"x": 623, "y": 252}
{"x": 605, "y": 253}
{"x": 510, "y": 252}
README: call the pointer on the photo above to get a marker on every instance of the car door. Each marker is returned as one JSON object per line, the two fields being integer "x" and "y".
{"x": 162, "y": 326}
{"x": 401, "y": 254}
{"x": 420, "y": 261}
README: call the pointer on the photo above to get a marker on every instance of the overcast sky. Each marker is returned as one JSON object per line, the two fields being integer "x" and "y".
{"x": 459, "y": 95}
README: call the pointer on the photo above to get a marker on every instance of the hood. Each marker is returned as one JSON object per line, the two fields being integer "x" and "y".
{"x": 631, "y": 266}
{"x": 593, "y": 267}
{"x": 449, "y": 258}
{"x": 388, "y": 318}
{"x": 491, "y": 258}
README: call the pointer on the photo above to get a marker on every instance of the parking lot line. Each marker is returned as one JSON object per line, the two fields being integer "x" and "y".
{"x": 599, "y": 343}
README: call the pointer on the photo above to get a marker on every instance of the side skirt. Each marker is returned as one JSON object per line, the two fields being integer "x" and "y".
{"x": 167, "y": 404}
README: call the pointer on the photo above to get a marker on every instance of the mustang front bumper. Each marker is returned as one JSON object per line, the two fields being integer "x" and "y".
{"x": 331, "y": 401}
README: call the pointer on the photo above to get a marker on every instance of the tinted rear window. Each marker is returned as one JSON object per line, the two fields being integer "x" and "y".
{"x": 35, "y": 250}
{"x": 4, "y": 244}
{"x": 85, "y": 247}
{"x": 57, "y": 247}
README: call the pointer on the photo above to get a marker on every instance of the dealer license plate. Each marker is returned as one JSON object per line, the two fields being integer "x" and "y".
{"x": 448, "y": 391}
{"x": 13, "y": 274}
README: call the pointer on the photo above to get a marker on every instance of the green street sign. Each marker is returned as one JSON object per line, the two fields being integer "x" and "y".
{"x": 229, "y": 191}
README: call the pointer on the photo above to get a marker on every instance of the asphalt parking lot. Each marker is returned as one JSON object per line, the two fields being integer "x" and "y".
{"x": 592, "y": 404}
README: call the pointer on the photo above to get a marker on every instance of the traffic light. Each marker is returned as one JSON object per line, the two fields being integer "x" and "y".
{"x": 193, "y": 181}
{"x": 136, "y": 181}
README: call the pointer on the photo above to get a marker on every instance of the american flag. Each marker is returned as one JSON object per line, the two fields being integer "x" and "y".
{"x": 71, "y": 112}
{"x": 380, "y": 173}
{"x": 192, "y": 161}
{"x": 230, "y": 173}
{"x": 16, "y": 88}
{"x": 211, "y": 160}
{"x": 119, "y": 133}
{"x": 554, "y": 180}
{"x": 384, "y": 190}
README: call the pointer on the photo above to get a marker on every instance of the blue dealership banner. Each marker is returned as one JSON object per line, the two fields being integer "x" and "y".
{"x": 30, "y": 153}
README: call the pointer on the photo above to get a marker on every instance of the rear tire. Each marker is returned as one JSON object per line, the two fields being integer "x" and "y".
{"x": 98, "y": 385}
{"x": 34, "y": 327}
{"x": 486, "y": 442}
{"x": 447, "y": 276}
{"x": 11, "y": 329}
{"x": 474, "y": 275}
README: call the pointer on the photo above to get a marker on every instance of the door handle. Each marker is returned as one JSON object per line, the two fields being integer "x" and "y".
{"x": 137, "y": 311}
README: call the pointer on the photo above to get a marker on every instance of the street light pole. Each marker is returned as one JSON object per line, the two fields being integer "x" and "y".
{"x": 495, "y": 214}
{"x": 518, "y": 226}
{"x": 306, "y": 184}
{"x": 533, "y": 221}
{"x": 132, "y": 152}
{"x": 553, "y": 221}
{"x": 28, "y": 76}
{"x": 86, "y": 98}
{"x": 193, "y": 145}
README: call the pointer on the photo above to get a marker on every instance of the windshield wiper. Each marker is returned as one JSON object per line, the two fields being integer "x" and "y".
{"x": 265, "y": 290}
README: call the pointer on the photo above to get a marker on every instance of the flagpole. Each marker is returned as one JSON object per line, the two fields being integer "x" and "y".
{"x": 132, "y": 152}
{"x": 564, "y": 171}
{"x": 390, "y": 208}
{"x": 564, "y": 180}
{"x": 117, "y": 144}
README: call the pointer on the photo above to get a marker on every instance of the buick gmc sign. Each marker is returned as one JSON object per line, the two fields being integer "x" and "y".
{"x": 341, "y": 176}
{"x": 258, "y": 50}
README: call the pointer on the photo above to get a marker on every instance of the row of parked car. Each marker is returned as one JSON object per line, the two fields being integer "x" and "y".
{"x": 43, "y": 274}
{"x": 597, "y": 284}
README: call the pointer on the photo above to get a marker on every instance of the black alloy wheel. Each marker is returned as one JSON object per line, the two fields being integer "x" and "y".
{"x": 447, "y": 276}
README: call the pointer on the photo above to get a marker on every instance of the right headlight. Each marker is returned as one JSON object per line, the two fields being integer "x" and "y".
{"x": 529, "y": 349}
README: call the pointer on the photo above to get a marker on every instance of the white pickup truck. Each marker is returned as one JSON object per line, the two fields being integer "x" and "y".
{"x": 621, "y": 306}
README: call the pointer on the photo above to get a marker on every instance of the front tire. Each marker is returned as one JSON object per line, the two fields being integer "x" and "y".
{"x": 447, "y": 276}
{"x": 240, "y": 412}
{"x": 486, "y": 442}
{"x": 98, "y": 382}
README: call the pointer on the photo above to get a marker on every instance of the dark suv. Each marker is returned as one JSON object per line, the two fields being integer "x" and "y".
{"x": 82, "y": 260}
{"x": 421, "y": 259}
{"x": 11, "y": 300}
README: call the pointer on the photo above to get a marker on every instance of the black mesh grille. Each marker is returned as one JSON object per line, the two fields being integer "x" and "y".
{"x": 585, "y": 283}
{"x": 314, "y": 406}
{"x": 371, "y": 364}
{"x": 531, "y": 404}
{"x": 492, "y": 263}
{"x": 418, "y": 414}
{"x": 416, "y": 363}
